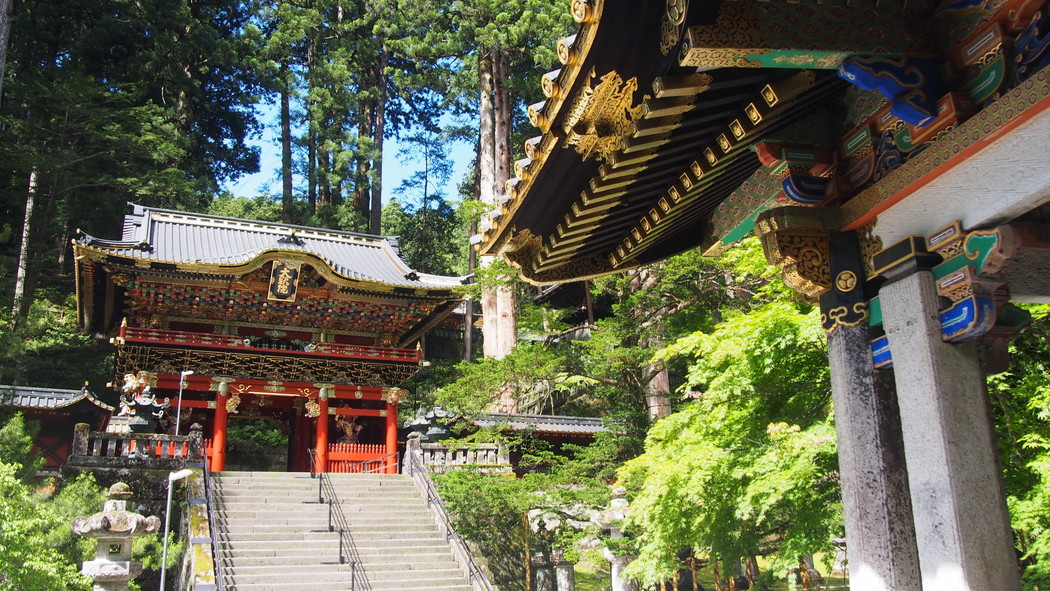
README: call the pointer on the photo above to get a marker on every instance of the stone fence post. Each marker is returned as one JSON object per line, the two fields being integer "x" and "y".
{"x": 564, "y": 571}
{"x": 80, "y": 439}
{"x": 196, "y": 448}
{"x": 542, "y": 573}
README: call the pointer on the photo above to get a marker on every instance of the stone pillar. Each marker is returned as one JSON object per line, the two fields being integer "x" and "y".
{"x": 880, "y": 533}
{"x": 80, "y": 439}
{"x": 564, "y": 571}
{"x": 322, "y": 429}
{"x": 962, "y": 527}
{"x": 542, "y": 573}
{"x": 610, "y": 519}
{"x": 114, "y": 528}
{"x": 195, "y": 450}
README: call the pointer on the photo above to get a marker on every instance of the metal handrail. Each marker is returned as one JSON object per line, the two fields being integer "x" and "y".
{"x": 337, "y": 523}
{"x": 209, "y": 501}
{"x": 418, "y": 470}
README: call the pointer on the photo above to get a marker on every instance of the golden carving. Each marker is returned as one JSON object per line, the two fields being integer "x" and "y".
{"x": 797, "y": 242}
{"x": 846, "y": 280}
{"x": 549, "y": 84}
{"x": 672, "y": 20}
{"x": 844, "y": 316}
{"x": 870, "y": 245}
{"x": 583, "y": 10}
{"x": 566, "y": 55}
{"x": 264, "y": 367}
{"x": 600, "y": 116}
{"x": 524, "y": 250}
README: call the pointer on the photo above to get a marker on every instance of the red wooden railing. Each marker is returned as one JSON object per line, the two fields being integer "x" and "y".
{"x": 359, "y": 457}
{"x": 219, "y": 341}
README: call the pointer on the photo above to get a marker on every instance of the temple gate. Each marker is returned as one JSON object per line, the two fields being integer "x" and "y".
{"x": 217, "y": 318}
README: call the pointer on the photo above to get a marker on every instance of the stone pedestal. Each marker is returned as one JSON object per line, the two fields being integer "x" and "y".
{"x": 564, "y": 571}
{"x": 542, "y": 573}
{"x": 962, "y": 527}
{"x": 619, "y": 563}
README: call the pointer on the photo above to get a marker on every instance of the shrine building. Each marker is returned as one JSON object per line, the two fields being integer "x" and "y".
{"x": 225, "y": 318}
{"x": 892, "y": 157}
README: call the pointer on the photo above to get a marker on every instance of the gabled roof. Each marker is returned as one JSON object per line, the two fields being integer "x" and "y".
{"x": 28, "y": 397}
{"x": 543, "y": 423}
{"x": 166, "y": 240}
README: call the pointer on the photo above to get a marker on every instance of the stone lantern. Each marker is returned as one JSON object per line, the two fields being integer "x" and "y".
{"x": 114, "y": 528}
{"x": 610, "y": 520}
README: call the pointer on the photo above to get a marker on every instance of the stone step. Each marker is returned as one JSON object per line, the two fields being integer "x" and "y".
{"x": 321, "y": 523}
{"x": 321, "y": 546}
{"x": 273, "y": 535}
{"x": 308, "y": 486}
{"x": 297, "y": 536}
{"x": 325, "y": 586}
{"x": 357, "y": 512}
{"x": 256, "y": 497}
{"x": 379, "y": 559}
{"x": 324, "y": 564}
{"x": 338, "y": 572}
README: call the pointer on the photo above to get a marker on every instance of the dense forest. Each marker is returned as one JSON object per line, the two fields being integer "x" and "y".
{"x": 711, "y": 374}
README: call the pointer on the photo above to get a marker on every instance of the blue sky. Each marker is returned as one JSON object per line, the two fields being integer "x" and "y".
{"x": 268, "y": 180}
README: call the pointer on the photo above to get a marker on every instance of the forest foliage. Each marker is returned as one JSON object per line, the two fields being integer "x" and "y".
{"x": 158, "y": 101}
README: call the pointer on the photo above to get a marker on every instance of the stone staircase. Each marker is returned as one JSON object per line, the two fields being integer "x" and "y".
{"x": 273, "y": 535}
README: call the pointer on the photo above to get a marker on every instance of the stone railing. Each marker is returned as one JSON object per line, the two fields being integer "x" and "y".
{"x": 134, "y": 450}
{"x": 461, "y": 550}
{"x": 485, "y": 457}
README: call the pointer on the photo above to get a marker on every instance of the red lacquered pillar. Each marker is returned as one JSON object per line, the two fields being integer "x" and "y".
{"x": 391, "y": 437}
{"x": 322, "y": 431}
{"x": 218, "y": 435}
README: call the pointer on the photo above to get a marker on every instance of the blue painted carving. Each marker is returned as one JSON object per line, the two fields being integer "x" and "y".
{"x": 912, "y": 84}
{"x": 888, "y": 157}
{"x": 804, "y": 189}
{"x": 1032, "y": 48}
{"x": 968, "y": 318}
{"x": 966, "y": 6}
{"x": 964, "y": 320}
{"x": 880, "y": 353}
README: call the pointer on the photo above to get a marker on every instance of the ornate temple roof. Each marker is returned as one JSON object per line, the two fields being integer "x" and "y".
{"x": 28, "y": 397}
{"x": 163, "y": 240}
{"x": 672, "y": 125}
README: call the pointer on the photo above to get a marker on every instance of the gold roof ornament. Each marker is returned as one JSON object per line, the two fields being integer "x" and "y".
{"x": 601, "y": 116}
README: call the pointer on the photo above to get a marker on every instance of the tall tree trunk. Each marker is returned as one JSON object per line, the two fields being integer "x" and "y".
{"x": 362, "y": 185}
{"x": 311, "y": 131}
{"x": 287, "y": 198}
{"x": 7, "y": 16}
{"x": 375, "y": 219}
{"x": 506, "y": 298}
{"x": 501, "y": 92}
{"x": 487, "y": 195}
{"x": 18, "y": 302}
{"x": 324, "y": 164}
{"x": 658, "y": 395}
{"x": 472, "y": 261}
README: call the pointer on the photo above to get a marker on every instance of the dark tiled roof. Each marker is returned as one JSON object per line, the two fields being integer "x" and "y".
{"x": 47, "y": 398}
{"x": 543, "y": 423}
{"x": 166, "y": 237}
